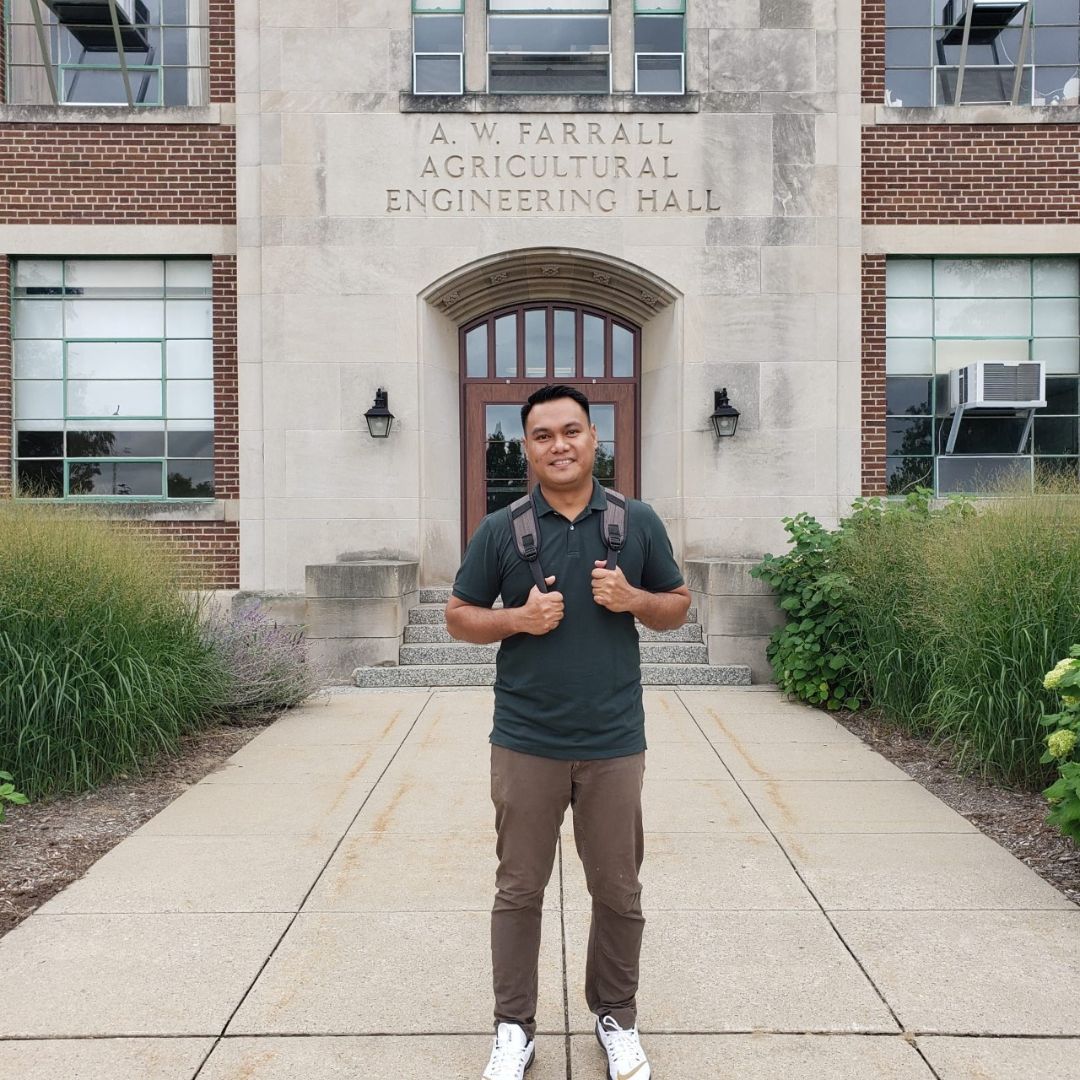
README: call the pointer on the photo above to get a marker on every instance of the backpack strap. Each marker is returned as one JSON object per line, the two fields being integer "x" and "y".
{"x": 613, "y": 525}
{"x": 525, "y": 530}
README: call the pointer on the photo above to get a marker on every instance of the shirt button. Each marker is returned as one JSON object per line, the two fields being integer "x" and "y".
{"x": 571, "y": 528}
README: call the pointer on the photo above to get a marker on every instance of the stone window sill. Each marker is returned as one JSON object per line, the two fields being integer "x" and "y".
{"x": 549, "y": 103}
{"x": 973, "y": 114}
{"x": 160, "y": 510}
{"x": 79, "y": 114}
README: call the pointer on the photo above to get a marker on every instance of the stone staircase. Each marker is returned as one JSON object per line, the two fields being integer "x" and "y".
{"x": 429, "y": 656}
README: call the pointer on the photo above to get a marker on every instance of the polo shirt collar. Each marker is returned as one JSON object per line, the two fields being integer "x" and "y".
{"x": 598, "y": 501}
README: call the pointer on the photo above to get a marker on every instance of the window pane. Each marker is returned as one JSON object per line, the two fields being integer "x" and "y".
{"x": 1057, "y": 277}
{"x": 911, "y": 89}
{"x": 539, "y": 74}
{"x": 438, "y": 34}
{"x": 189, "y": 318}
{"x": 974, "y": 318}
{"x": 536, "y": 344}
{"x": 136, "y": 478}
{"x": 908, "y": 48}
{"x": 438, "y": 5}
{"x": 622, "y": 352}
{"x": 956, "y": 354}
{"x": 190, "y": 479}
{"x": 188, "y": 277}
{"x": 39, "y": 359}
{"x": 909, "y": 277}
{"x": 604, "y": 465}
{"x": 982, "y": 86}
{"x": 189, "y": 359}
{"x": 104, "y": 277}
{"x": 1060, "y": 355}
{"x": 1061, "y": 396}
{"x": 438, "y": 75}
{"x": 659, "y": 5}
{"x": 194, "y": 399}
{"x": 659, "y": 74}
{"x": 565, "y": 343}
{"x": 191, "y": 444}
{"x": 548, "y": 5}
{"x": 38, "y": 318}
{"x": 973, "y": 475}
{"x": 907, "y": 437}
{"x": 982, "y": 277}
{"x": 114, "y": 318}
{"x": 114, "y": 398}
{"x": 115, "y": 443}
{"x": 909, "y": 356}
{"x": 503, "y": 421}
{"x": 1056, "y": 469}
{"x": 547, "y": 34}
{"x": 1057, "y": 317}
{"x": 506, "y": 347}
{"x": 38, "y": 273}
{"x": 906, "y": 13}
{"x": 984, "y": 434}
{"x": 38, "y": 400}
{"x": 114, "y": 360}
{"x": 658, "y": 34}
{"x": 476, "y": 352}
{"x": 907, "y": 397}
{"x": 41, "y": 479}
{"x": 593, "y": 346}
{"x": 1057, "y": 435}
{"x": 1055, "y": 86}
{"x": 603, "y": 417}
{"x": 39, "y": 444}
{"x": 1052, "y": 46}
{"x": 506, "y": 460}
{"x": 904, "y": 474}
{"x": 913, "y": 318}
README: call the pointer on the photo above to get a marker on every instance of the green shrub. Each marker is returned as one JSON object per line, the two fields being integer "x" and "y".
{"x": 102, "y": 662}
{"x": 8, "y": 794}
{"x": 1061, "y": 743}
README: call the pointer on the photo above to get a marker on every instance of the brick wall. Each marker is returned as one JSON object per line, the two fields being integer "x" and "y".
{"x": 226, "y": 389}
{"x": 873, "y": 374}
{"x": 113, "y": 174}
{"x": 5, "y": 378}
{"x": 211, "y": 550}
{"x": 957, "y": 174}
{"x": 873, "y": 51}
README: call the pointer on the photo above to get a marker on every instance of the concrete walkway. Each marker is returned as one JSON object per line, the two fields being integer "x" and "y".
{"x": 316, "y": 909}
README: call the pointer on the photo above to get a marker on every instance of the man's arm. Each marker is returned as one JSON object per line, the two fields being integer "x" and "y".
{"x": 656, "y": 610}
{"x": 484, "y": 626}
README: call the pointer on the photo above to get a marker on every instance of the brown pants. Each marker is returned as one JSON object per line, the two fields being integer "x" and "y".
{"x": 531, "y": 795}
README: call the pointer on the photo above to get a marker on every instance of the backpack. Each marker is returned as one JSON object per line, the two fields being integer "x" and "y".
{"x": 525, "y": 529}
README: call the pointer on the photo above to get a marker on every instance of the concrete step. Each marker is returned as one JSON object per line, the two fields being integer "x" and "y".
{"x": 438, "y": 634}
{"x": 436, "y": 594}
{"x": 484, "y": 675}
{"x": 434, "y": 615}
{"x": 463, "y": 653}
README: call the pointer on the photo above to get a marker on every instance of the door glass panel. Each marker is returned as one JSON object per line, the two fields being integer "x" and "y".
{"x": 503, "y": 421}
{"x": 622, "y": 352}
{"x": 476, "y": 352}
{"x": 604, "y": 465}
{"x": 506, "y": 347}
{"x": 535, "y": 344}
{"x": 603, "y": 416}
{"x": 593, "y": 346}
{"x": 565, "y": 344}
{"x": 501, "y": 493}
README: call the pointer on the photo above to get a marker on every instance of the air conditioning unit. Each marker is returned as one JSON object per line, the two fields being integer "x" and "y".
{"x": 988, "y": 18}
{"x": 991, "y": 384}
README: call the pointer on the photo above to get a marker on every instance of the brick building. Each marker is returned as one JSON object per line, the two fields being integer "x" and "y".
{"x": 226, "y": 226}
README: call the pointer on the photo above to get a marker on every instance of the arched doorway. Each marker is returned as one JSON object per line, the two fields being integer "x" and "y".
{"x": 508, "y": 353}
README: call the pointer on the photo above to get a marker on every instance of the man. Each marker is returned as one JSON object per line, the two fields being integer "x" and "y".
{"x": 568, "y": 725}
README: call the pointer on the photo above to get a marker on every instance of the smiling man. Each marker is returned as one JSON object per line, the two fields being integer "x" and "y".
{"x": 569, "y": 727}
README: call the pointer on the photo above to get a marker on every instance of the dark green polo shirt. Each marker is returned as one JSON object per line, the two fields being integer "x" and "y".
{"x": 574, "y": 693}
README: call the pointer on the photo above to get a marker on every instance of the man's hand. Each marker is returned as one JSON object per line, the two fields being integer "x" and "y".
{"x": 542, "y": 611}
{"x": 610, "y": 588}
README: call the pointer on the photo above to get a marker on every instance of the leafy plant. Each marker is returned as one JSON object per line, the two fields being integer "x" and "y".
{"x": 1064, "y": 794}
{"x": 812, "y": 653}
{"x": 8, "y": 794}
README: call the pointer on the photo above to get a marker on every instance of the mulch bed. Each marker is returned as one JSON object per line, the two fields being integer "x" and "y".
{"x": 1014, "y": 819}
{"x": 45, "y": 846}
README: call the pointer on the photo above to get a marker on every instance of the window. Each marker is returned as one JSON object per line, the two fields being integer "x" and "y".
{"x": 438, "y": 46}
{"x": 966, "y": 52}
{"x": 113, "y": 378}
{"x": 659, "y": 46}
{"x": 133, "y": 53}
{"x": 549, "y": 47}
{"x": 943, "y": 314}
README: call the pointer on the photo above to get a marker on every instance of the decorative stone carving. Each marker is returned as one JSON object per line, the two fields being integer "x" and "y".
{"x": 549, "y": 271}
{"x": 601, "y": 277}
{"x": 498, "y": 279}
{"x": 648, "y": 298}
{"x": 450, "y": 298}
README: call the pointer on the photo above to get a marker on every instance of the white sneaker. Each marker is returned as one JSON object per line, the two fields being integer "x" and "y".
{"x": 511, "y": 1054}
{"x": 625, "y": 1057}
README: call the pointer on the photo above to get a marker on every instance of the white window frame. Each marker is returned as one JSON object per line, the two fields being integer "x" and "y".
{"x": 667, "y": 8}
{"x": 427, "y": 8}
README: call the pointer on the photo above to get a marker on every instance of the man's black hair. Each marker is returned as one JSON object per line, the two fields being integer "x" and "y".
{"x": 552, "y": 392}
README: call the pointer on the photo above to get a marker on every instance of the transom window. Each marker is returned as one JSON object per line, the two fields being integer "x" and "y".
{"x": 967, "y": 52}
{"x": 113, "y": 378}
{"x": 659, "y": 46}
{"x": 108, "y": 52}
{"x": 549, "y": 47}
{"x": 552, "y": 342}
{"x": 944, "y": 314}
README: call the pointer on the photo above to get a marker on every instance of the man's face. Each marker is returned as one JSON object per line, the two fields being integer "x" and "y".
{"x": 560, "y": 444}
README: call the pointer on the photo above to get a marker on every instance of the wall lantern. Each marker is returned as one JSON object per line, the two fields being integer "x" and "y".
{"x": 379, "y": 417}
{"x": 725, "y": 417}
